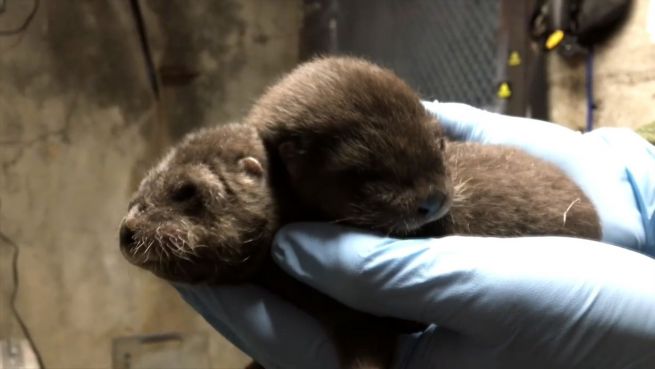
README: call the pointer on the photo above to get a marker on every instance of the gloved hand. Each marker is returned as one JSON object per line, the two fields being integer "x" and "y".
{"x": 614, "y": 166}
{"x": 498, "y": 303}
{"x": 504, "y": 303}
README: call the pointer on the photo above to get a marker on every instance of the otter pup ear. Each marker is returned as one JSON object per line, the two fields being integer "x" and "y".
{"x": 251, "y": 166}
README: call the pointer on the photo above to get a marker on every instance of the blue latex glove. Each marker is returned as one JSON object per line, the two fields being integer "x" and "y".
{"x": 615, "y": 167}
{"x": 499, "y": 303}
{"x": 505, "y": 303}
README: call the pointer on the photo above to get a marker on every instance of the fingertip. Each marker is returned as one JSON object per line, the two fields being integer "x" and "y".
{"x": 430, "y": 106}
{"x": 335, "y": 260}
{"x": 325, "y": 245}
{"x": 298, "y": 240}
{"x": 458, "y": 120}
{"x": 360, "y": 269}
{"x": 296, "y": 232}
{"x": 313, "y": 251}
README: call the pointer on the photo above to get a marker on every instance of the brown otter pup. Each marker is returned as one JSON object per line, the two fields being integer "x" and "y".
{"x": 357, "y": 145}
{"x": 207, "y": 214}
{"x": 352, "y": 142}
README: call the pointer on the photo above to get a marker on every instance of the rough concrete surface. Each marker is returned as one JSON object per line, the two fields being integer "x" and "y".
{"x": 624, "y": 78}
{"x": 79, "y": 124}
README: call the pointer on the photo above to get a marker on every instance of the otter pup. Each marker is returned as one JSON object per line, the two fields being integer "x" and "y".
{"x": 356, "y": 144}
{"x": 207, "y": 214}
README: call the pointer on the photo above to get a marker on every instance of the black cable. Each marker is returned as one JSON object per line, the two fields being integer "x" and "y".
{"x": 26, "y": 22}
{"x": 145, "y": 46}
{"x": 14, "y": 295}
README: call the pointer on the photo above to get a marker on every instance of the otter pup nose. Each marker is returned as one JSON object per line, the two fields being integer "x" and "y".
{"x": 432, "y": 205}
{"x": 126, "y": 236}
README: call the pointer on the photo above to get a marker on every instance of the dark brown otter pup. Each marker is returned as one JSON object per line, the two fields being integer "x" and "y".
{"x": 358, "y": 146}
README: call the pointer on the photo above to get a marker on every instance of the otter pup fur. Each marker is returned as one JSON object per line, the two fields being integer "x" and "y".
{"x": 357, "y": 145}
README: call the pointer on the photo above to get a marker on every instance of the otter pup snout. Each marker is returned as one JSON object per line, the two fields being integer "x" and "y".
{"x": 126, "y": 237}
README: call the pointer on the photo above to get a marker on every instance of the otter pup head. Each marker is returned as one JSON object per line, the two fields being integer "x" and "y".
{"x": 204, "y": 213}
{"x": 393, "y": 181}
{"x": 357, "y": 144}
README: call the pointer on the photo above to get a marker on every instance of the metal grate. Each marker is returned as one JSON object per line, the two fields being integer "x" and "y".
{"x": 445, "y": 49}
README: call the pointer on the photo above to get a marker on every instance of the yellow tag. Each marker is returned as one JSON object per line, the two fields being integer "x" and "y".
{"x": 504, "y": 91}
{"x": 514, "y": 59}
{"x": 554, "y": 39}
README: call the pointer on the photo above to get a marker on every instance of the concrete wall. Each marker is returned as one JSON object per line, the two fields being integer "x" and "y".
{"x": 79, "y": 124}
{"x": 624, "y": 78}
